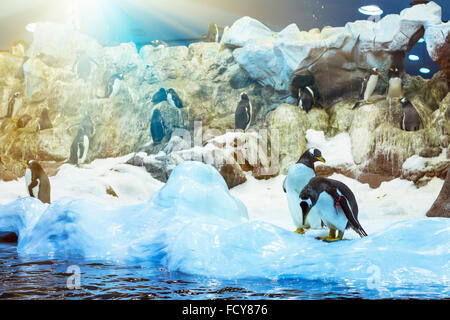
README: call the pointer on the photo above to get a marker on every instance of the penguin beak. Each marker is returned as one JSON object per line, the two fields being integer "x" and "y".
{"x": 15, "y": 120}
{"x": 379, "y": 73}
{"x": 320, "y": 159}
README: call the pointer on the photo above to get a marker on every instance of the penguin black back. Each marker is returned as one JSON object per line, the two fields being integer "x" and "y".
{"x": 157, "y": 126}
{"x": 11, "y": 104}
{"x": 307, "y": 98}
{"x": 38, "y": 184}
{"x": 159, "y": 96}
{"x": 174, "y": 98}
{"x": 77, "y": 147}
{"x": 342, "y": 196}
{"x": 243, "y": 113}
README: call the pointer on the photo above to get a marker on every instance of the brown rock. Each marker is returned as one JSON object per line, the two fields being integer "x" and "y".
{"x": 441, "y": 207}
{"x": 232, "y": 174}
{"x": 430, "y": 152}
{"x": 111, "y": 192}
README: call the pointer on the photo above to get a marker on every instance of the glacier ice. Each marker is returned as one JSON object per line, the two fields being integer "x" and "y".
{"x": 195, "y": 226}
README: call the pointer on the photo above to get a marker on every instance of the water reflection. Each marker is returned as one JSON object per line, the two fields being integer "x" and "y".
{"x": 47, "y": 279}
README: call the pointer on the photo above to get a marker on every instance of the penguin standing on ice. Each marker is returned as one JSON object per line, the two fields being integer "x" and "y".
{"x": 159, "y": 96}
{"x": 13, "y": 105}
{"x": 157, "y": 127}
{"x": 410, "y": 120}
{"x": 113, "y": 85}
{"x": 37, "y": 182}
{"x": 368, "y": 86}
{"x": 297, "y": 178}
{"x": 335, "y": 204}
{"x": 307, "y": 97}
{"x": 79, "y": 148}
{"x": 395, "y": 88}
{"x": 80, "y": 145}
{"x": 243, "y": 114}
{"x": 174, "y": 99}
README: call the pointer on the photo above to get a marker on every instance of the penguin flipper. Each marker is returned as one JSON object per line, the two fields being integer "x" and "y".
{"x": 354, "y": 223}
{"x": 356, "y": 105}
{"x": 31, "y": 186}
{"x": 284, "y": 185}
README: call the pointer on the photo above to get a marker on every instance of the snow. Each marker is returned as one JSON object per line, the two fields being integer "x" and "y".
{"x": 336, "y": 150}
{"x": 194, "y": 224}
{"x": 418, "y": 163}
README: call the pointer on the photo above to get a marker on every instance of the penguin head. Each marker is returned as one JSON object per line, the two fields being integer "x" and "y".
{"x": 375, "y": 71}
{"x": 310, "y": 156}
{"x": 404, "y": 101}
{"x": 306, "y": 201}
{"x": 394, "y": 72}
{"x": 244, "y": 96}
{"x": 16, "y": 94}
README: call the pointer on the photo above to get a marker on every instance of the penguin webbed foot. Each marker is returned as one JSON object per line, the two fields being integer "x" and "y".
{"x": 331, "y": 237}
{"x": 300, "y": 231}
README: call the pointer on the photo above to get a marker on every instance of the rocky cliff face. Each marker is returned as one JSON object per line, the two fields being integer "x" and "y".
{"x": 209, "y": 78}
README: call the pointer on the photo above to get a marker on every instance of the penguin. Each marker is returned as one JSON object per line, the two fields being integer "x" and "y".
{"x": 113, "y": 85}
{"x": 157, "y": 127}
{"x": 335, "y": 204}
{"x": 37, "y": 182}
{"x": 159, "y": 96}
{"x": 174, "y": 99}
{"x": 83, "y": 65}
{"x": 410, "y": 120}
{"x": 213, "y": 33}
{"x": 79, "y": 147}
{"x": 307, "y": 97}
{"x": 297, "y": 178}
{"x": 368, "y": 86}
{"x": 44, "y": 121}
{"x": 243, "y": 114}
{"x": 395, "y": 88}
{"x": 22, "y": 121}
{"x": 12, "y": 108}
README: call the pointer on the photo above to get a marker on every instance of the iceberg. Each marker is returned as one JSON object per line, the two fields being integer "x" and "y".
{"x": 194, "y": 225}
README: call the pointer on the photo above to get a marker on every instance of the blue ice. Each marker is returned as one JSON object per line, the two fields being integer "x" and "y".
{"x": 194, "y": 225}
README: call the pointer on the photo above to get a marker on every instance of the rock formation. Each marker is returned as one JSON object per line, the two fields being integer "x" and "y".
{"x": 209, "y": 78}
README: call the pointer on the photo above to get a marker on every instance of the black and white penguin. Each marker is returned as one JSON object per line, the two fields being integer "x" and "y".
{"x": 368, "y": 86}
{"x": 83, "y": 65}
{"x": 395, "y": 88}
{"x": 113, "y": 85}
{"x": 243, "y": 114}
{"x": 44, "y": 120}
{"x": 213, "y": 33}
{"x": 13, "y": 105}
{"x": 159, "y": 96}
{"x": 79, "y": 147}
{"x": 157, "y": 127}
{"x": 410, "y": 120}
{"x": 307, "y": 97}
{"x": 297, "y": 178}
{"x": 37, "y": 182}
{"x": 335, "y": 204}
{"x": 174, "y": 99}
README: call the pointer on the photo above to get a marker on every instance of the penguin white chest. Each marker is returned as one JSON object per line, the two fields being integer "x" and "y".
{"x": 395, "y": 88}
{"x": 331, "y": 215}
{"x": 171, "y": 100}
{"x": 115, "y": 87}
{"x": 371, "y": 85}
{"x": 297, "y": 178}
{"x": 83, "y": 156}
{"x": 17, "y": 106}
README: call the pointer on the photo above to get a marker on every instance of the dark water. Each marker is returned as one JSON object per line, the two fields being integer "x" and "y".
{"x": 22, "y": 278}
